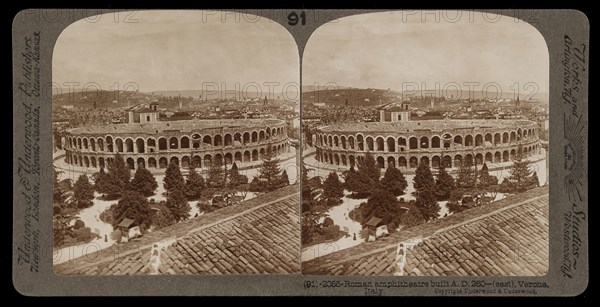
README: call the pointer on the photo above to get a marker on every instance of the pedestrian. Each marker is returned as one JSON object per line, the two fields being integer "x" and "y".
{"x": 354, "y": 236}
{"x": 105, "y": 238}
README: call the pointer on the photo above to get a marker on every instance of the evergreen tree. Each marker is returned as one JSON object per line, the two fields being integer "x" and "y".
{"x": 444, "y": 184}
{"x": 235, "y": 179}
{"x": 143, "y": 181}
{"x": 83, "y": 191}
{"x": 467, "y": 175}
{"x": 194, "y": 184}
{"x": 116, "y": 179}
{"x": 360, "y": 185}
{"x": 163, "y": 218}
{"x": 427, "y": 203}
{"x": 332, "y": 189}
{"x": 133, "y": 205}
{"x": 535, "y": 181}
{"x": 98, "y": 177}
{"x": 57, "y": 191}
{"x": 216, "y": 177}
{"x": 423, "y": 180}
{"x": 269, "y": 171}
{"x": 383, "y": 205}
{"x": 393, "y": 181}
{"x": 285, "y": 180}
{"x": 484, "y": 179}
{"x": 178, "y": 205}
{"x": 369, "y": 168}
{"x": 173, "y": 178}
{"x": 520, "y": 174}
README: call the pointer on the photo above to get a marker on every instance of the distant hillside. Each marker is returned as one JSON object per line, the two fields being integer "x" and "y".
{"x": 212, "y": 94}
{"x": 102, "y": 99}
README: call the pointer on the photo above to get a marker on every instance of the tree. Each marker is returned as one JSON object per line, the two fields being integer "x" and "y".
{"x": 57, "y": 191}
{"x": 163, "y": 218}
{"x": 427, "y": 204}
{"x": 83, "y": 191}
{"x": 235, "y": 179}
{"x": 194, "y": 184}
{"x": 311, "y": 227}
{"x": 370, "y": 168}
{"x": 360, "y": 185}
{"x": 535, "y": 181}
{"x": 133, "y": 205}
{"x": 173, "y": 178}
{"x": 269, "y": 171}
{"x": 520, "y": 174}
{"x": 178, "y": 205}
{"x": 423, "y": 180}
{"x": 116, "y": 179}
{"x": 412, "y": 218}
{"x": 284, "y": 179}
{"x": 484, "y": 179}
{"x": 393, "y": 181}
{"x": 333, "y": 190}
{"x": 467, "y": 176}
{"x": 309, "y": 188}
{"x": 383, "y": 205}
{"x": 444, "y": 184}
{"x": 216, "y": 177}
{"x": 143, "y": 181}
{"x": 62, "y": 229}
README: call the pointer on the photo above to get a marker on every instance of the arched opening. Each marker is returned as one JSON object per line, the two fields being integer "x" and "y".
{"x": 458, "y": 161}
{"x": 229, "y": 140}
{"x": 174, "y": 160}
{"x": 207, "y": 141}
{"x": 402, "y": 162}
{"x": 93, "y": 144}
{"x": 101, "y": 162}
{"x": 185, "y": 162}
{"x": 207, "y": 160}
{"x": 413, "y": 162}
{"x": 246, "y": 138}
{"x": 447, "y": 161}
{"x": 497, "y": 139}
{"x": 86, "y": 161}
{"x": 119, "y": 143}
{"x": 185, "y": 142}
{"x": 238, "y": 157}
{"x": 513, "y": 155}
{"x": 478, "y": 159}
{"x": 343, "y": 141}
{"x": 151, "y": 144}
{"x": 370, "y": 146}
{"x": 458, "y": 141}
{"x": 79, "y": 143}
{"x": 162, "y": 144}
{"x": 93, "y": 161}
{"x": 380, "y": 144}
{"x": 130, "y": 163}
{"x": 151, "y": 163}
{"x": 391, "y": 144}
{"x": 469, "y": 140}
{"x": 344, "y": 160}
{"x": 100, "y": 144}
{"x": 218, "y": 140}
{"x": 489, "y": 158}
{"x": 336, "y": 158}
{"x": 254, "y": 137}
{"x": 197, "y": 161}
{"x": 140, "y": 146}
{"x": 247, "y": 156}
{"x": 425, "y": 160}
{"x": 335, "y": 141}
{"x": 513, "y": 137}
{"x": 351, "y": 161}
{"x": 489, "y": 139}
{"x": 435, "y": 142}
{"x": 237, "y": 139}
{"x": 360, "y": 141}
{"x": 141, "y": 163}
{"x": 505, "y": 138}
{"x": 262, "y": 153}
{"x": 380, "y": 162}
{"x": 497, "y": 157}
{"x": 129, "y": 145}
{"x": 228, "y": 158}
{"x": 85, "y": 143}
{"x": 479, "y": 140}
{"x": 255, "y": 155}
{"x": 173, "y": 143}
{"x": 505, "y": 156}
{"x": 424, "y": 142}
{"x": 435, "y": 161}
{"x": 351, "y": 142}
{"x": 261, "y": 136}
{"x": 413, "y": 143}
{"x": 391, "y": 161}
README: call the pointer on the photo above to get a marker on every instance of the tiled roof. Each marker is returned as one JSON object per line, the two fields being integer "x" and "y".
{"x": 505, "y": 238}
{"x": 259, "y": 236}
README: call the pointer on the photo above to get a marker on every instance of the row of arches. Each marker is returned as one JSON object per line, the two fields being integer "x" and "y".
{"x": 183, "y": 161}
{"x": 433, "y": 161}
{"x": 446, "y": 140}
{"x": 194, "y": 141}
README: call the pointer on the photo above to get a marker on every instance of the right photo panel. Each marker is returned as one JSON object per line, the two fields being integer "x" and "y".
{"x": 425, "y": 141}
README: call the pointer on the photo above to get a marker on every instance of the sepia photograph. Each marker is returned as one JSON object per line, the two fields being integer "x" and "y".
{"x": 176, "y": 145}
{"x": 425, "y": 146}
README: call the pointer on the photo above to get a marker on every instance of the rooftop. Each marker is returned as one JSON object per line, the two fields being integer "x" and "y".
{"x": 433, "y": 125}
{"x": 507, "y": 237}
{"x": 259, "y": 236}
{"x": 181, "y": 125}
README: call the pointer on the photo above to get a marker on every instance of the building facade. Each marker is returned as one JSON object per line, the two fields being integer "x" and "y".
{"x": 185, "y": 142}
{"x": 406, "y": 144}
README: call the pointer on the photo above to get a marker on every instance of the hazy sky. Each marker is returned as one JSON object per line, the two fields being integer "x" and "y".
{"x": 175, "y": 50}
{"x": 385, "y": 50}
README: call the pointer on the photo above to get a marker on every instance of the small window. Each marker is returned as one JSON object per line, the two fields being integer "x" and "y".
{"x": 148, "y": 118}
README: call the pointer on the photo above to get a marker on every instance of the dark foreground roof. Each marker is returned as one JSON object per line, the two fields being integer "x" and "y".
{"x": 259, "y": 236}
{"x": 505, "y": 238}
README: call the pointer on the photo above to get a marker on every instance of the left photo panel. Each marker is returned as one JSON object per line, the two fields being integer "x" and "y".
{"x": 175, "y": 146}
